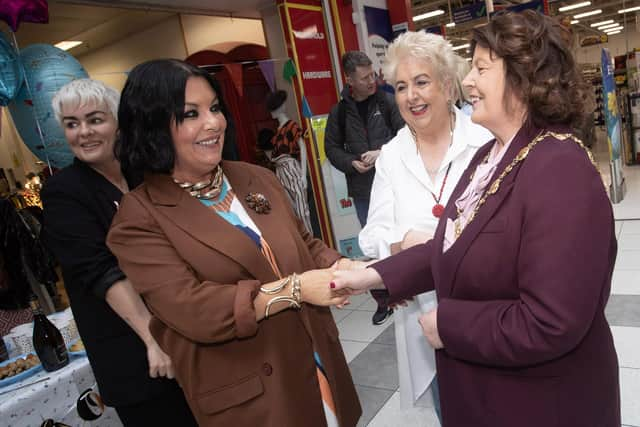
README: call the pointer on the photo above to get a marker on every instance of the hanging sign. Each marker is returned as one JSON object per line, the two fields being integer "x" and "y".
{"x": 313, "y": 58}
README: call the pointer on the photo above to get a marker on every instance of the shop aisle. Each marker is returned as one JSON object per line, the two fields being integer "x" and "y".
{"x": 370, "y": 350}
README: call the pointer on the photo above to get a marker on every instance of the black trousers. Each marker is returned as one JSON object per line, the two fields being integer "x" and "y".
{"x": 168, "y": 409}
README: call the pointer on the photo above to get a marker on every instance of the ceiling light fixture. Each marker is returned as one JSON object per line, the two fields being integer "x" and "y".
{"x": 604, "y": 27}
{"x": 630, "y": 9}
{"x": 575, "y": 21}
{"x": 462, "y": 46}
{"x": 574, "y": 6}
{"x": 428, "y": 15}
{"x": 597, "y": 24}
{"x": 67, "y": 44}
{"x": 609, "y": 30}
{"x": 614, "y": 32}
{"x": 450, "y": 25}
{"x": 590, "y": 13}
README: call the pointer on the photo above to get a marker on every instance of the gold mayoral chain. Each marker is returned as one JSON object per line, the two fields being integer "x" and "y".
{"x": 522, "y": 154}
{"x": 206, "y": 190}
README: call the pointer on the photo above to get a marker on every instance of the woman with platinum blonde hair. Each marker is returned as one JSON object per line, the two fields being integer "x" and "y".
{"x": 133, "y": 373}
{"x": 415, "y": 175}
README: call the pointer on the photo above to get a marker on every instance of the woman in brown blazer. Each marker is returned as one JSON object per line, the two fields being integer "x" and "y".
{"x": 228, "y": 272}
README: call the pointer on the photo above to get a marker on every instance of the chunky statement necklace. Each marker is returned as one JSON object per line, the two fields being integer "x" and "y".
{"x": 206, "y": 190}
{"x": 522, "y": 154}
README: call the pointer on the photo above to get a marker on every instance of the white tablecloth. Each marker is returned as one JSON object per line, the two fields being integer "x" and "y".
{"x": 52, "y": 395}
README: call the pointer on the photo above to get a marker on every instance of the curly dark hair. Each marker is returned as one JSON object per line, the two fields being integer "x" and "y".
{"x": 539, "y": 66}
{"x": 152, "y": 98}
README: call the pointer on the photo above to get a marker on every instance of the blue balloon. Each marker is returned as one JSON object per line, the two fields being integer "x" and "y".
{"x": 10, "y": 72}
{"x": 47, "y": 69}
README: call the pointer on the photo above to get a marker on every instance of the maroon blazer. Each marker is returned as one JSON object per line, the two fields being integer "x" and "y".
{"x": 522, "y": 294}
{"x": 199, "y": 276}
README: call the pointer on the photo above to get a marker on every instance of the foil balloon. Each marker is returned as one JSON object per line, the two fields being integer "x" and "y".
{"x": 46, "y": 69}
{"x": 10, "y": 72}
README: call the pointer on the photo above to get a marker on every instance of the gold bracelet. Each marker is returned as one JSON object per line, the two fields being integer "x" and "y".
{"x": 292, "y": 303}
{"x": 277, "y": 288}
{"x": 296, "y": 292}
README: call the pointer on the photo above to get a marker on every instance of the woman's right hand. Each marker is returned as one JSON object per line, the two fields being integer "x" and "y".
{"x": 314, "y": 288}
{"x": 355, "y": 282}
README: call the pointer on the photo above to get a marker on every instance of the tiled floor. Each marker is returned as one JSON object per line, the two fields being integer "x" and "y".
{"x": 370, "y": 350}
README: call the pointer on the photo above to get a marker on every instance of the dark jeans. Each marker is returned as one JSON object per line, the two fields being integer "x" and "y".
{"x": 362, "y": 209}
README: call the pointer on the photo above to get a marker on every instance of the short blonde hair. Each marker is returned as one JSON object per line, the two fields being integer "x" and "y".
{"x": 431, "y": 48}
{"x": 81, "y": 92}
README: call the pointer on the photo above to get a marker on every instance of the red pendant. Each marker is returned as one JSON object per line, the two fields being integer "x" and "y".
{"x": 437, "y": 210}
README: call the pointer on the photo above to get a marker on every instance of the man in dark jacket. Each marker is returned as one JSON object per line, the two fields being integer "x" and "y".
{"x": 365, "y": 119}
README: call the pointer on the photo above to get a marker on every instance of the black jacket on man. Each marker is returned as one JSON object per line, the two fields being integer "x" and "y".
{"x": 342, "y": 146}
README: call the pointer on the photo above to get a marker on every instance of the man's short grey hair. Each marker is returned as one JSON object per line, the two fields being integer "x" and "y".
{"x": 431, "y": 48}
{"x": 81, "y": 92}
{"x": 353, "y": 59}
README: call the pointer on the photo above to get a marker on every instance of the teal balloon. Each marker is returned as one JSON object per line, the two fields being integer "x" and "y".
{"x": 10, "y": 72}
{"x": 47, "y": 69}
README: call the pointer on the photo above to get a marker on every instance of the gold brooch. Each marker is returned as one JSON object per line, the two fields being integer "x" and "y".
{"x": 258, "y": 202}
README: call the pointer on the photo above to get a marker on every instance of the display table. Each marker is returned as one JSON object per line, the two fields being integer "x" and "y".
{"x": 52, "y": 395}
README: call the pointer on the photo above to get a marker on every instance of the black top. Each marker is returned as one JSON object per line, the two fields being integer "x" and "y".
{"x": 79, "y": 205}
{"x": 363, "y": 110}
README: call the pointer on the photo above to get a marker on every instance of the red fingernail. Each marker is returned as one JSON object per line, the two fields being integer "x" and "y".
{"x": 332, "y": 285}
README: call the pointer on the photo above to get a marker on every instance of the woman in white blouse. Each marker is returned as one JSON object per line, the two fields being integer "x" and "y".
{"x": 415, "y": 175}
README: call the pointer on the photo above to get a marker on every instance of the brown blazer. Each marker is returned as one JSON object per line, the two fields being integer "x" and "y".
{"x": 199, "y": 275}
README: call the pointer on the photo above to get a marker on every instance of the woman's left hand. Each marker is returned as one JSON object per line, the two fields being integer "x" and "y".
{"x": 429, "y": 323}
{"x": 349, "y": 264}
{"x": 160, "y": 364}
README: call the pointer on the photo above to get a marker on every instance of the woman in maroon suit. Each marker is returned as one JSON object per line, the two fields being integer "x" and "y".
{"x": 523, "y": 255}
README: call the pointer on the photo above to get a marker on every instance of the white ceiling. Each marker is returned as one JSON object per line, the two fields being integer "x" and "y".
{"x": 239, "y": 8}
{"x": 101, "y": 22}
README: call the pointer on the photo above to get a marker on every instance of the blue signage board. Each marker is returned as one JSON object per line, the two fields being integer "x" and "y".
{"x": 540, "y": 6}
{"x": 436, "y": 29}
{"x": 469, "y": 13}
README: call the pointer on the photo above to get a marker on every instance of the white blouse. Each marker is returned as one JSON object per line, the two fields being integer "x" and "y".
{"x": 401, "y": 200}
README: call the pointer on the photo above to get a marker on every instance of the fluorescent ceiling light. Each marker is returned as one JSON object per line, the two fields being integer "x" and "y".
{"x": 610, "y": 30}
{"x": 575, "y": 21}
{"x": 468, "y": 59}
{"x": 614, "y": 32}
{"x": 67, "y": 44}
{"x": 630, "y": 9}
{"x": 574, "y": 6}
{"x": 450, "y": 25}
{"x": 590, "y": 13}
{"x": 604, "y": 27}
{"x": 427, "y": 15}
{"x": 462, "y": 46}
{"x": 597, "y": 24}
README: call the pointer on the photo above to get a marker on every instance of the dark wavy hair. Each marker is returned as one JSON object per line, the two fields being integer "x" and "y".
{"x": 152, "y": 98}
{"x": 539, "y": 66}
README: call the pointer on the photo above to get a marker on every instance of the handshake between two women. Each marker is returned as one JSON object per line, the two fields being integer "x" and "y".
{"x": 334, "y": 285}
